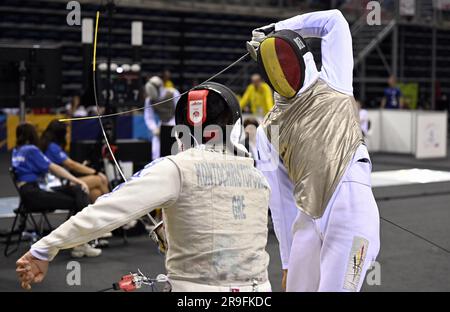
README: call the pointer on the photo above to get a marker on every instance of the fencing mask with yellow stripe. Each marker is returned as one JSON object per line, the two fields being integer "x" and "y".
{"x": 280, "y": 60}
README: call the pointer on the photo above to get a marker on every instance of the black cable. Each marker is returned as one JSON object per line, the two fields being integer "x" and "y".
{"x": 416, "y": 235}
{"x": 106, "y": 289}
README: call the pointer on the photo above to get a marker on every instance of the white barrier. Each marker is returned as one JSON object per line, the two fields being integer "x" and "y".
{"x": 421, "y": 133}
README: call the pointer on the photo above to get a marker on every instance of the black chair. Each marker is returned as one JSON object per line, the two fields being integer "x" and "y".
{"x": 24, "y": 215}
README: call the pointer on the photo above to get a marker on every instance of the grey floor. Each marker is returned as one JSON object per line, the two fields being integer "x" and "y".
{"x": 406, "y": 262}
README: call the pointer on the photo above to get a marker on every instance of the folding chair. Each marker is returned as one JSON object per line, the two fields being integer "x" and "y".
{"x": 23, "y": 215}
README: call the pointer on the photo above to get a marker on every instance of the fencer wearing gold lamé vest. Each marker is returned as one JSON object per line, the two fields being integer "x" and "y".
{"x": 215, "y": 208}
{"x": 323, "y": 209}
{"x": 319, "y": 133}
{"x": 218, "y": 232}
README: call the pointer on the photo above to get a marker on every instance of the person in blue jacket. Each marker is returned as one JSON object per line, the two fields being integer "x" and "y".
{"x": 393, "y": 98}
{"x": 30, "y": 166}
{"x": 53, "y": 142}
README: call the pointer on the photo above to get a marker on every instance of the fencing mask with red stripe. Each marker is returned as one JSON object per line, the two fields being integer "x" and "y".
{"x": 280, "y": 60}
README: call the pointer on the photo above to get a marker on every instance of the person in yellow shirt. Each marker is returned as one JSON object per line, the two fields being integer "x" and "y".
{"x": 166, "y": 76}
{"x": 258, "y": 95}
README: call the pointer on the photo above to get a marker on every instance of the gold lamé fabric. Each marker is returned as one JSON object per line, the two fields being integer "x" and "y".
{"x": 319, "y": 133}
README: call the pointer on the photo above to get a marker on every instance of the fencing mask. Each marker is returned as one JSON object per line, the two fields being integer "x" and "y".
{"x": 209, "y": 107}
{"x": 280, "y": 60}
{"x": 157, "y": 93}
{"x": 153, "y": 88}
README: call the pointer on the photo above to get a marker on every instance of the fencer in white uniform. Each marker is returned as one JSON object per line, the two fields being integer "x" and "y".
{"x": 323, "y": 210}
{"x": 156, "y": 92}
{"x": 215, "y": 206}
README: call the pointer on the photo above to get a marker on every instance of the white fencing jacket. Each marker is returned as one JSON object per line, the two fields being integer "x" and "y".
{"x": 215, "y": 208}
{"x": 337, "y": 72}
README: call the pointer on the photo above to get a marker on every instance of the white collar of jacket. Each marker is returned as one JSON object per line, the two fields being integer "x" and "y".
{"x": 236, "y": 137}
{"x": 311, "y": 72}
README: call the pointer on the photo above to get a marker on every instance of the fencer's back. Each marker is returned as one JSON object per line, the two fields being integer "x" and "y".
{"x": 217, "y": 231}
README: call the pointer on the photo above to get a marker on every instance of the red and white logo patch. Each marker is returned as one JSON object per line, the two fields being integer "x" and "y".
{"x": 197, "y": 107}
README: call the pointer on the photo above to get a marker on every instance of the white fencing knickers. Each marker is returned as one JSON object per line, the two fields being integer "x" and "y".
{"x": 334, "y": 252}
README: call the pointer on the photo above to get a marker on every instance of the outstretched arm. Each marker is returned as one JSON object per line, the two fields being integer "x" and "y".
{"x": 156, "y": 186}
{"x": 337, "y": 49}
